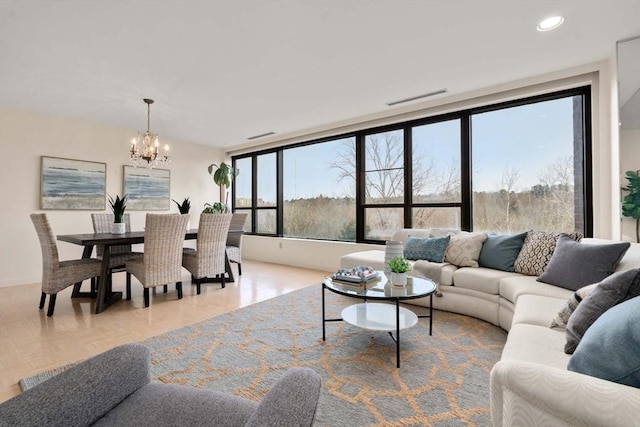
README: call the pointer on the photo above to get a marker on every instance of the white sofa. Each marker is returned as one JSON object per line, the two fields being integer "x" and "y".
{"x": 530, "y": 385}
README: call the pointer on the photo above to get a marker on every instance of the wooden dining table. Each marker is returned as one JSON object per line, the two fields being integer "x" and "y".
{"x": 106, "y": 296}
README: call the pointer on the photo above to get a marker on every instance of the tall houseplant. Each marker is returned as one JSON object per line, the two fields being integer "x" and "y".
{"x": 631, "y": 202}
{"x": 118, "y": 207}
{"x": 223, "y": 176}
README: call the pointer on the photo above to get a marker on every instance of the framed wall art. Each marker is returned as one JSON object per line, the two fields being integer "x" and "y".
{"x": 147, "y": 189}
{"x": 68, "y": 184}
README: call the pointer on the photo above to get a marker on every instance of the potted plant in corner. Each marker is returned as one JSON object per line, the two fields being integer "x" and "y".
{"x": 223, "y": 176}
{"x": 184, "y": 209}
{"x": 631, "y": 202}
{"x": 118, "y": 207}
{"x": 399, "y": 267}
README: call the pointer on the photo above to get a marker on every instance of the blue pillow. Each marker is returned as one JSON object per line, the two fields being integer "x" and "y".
{"x": 430, "y": 249}
{"x": 610, "y": 347}
{"x": 500, "y": 251}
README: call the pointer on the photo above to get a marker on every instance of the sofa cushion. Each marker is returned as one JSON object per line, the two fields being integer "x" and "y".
{"x": 535, "y": 344}
{"x": 512, "y": 287}
{"x": 440, "y": 272}
{"x": 536, "y": 252}
{"x": 430, "y": 248}
{"x": 500, "y": 251}
{"x": 536, "y": 310}
{"x": 480, "y": 279}
{"x": 574, "y": 265}
{"x": 374, "y": 259}
{"x": 611, "y": 291}
{"x": 570, "y": 306}
{"x": 464, "y": 249}
{"x": 616, "y": 332}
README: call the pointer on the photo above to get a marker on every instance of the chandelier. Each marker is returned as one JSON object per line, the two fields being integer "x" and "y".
{"x": 145, "y": 145}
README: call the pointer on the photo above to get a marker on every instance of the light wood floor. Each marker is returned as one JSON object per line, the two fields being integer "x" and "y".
{"x": 31, "y": 342}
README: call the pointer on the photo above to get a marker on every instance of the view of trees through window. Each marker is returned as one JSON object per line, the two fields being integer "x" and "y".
{"x": 516, "y": 167}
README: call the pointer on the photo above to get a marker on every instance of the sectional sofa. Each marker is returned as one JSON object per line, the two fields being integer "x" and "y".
{"x": 531, "y": 384}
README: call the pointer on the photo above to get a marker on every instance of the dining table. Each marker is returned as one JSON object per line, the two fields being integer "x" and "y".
{"x": 105, "y": 295}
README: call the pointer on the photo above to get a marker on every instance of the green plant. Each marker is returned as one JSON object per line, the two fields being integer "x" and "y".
{"x": 217, "y": 207}
{"x": 631, "y": 202}
{"x": 223, "y": 176}
{"x": 184, "y": 207}
{"x": 398, "y": 265}
{"x": 118, "y": 206}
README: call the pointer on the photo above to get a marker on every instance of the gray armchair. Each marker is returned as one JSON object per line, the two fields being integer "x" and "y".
{"x": 114, "y": 389}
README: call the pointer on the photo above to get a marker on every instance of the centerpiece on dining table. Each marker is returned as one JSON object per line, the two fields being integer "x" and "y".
{"x": 118, "y": 207}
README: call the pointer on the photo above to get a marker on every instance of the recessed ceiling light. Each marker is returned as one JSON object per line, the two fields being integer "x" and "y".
{"x": 550, "y": 23}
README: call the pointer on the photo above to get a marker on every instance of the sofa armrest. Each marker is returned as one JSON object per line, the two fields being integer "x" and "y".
{"x": 530, "y": 394}
{"x": 291, "y": 401}
{"x": 83, "y": 393}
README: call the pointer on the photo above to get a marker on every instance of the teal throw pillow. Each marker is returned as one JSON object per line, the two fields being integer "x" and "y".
{"x": 610, "y": 349}
{"x": 430, "y": 249}
{"x": 500, "y": 251}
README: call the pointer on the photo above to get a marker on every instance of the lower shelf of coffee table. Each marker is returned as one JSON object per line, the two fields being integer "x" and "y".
{"x": 378, "y": 317}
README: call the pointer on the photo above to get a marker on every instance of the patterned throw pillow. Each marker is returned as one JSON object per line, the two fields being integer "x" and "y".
{"x": 572, "y": 303}
{"x": 429, "y": 249}
{"x": 464, "y": 249}
{"x": 537, "y": 250}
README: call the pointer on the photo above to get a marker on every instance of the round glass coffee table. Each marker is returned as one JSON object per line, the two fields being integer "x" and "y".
{"x": 380, "y": 316}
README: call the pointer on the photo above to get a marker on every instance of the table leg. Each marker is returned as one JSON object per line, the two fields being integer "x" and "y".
{"x": 323, "y": 315}
{"x": 86, "y": 253}
{"x": 397, "y": 333}
{"x": 430, "y": 313}
{"x": 227, "y": 267}
{"x": 106, "y": 296}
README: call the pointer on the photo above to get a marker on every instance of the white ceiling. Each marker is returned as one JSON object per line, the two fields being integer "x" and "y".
{"x": 221, "y": 71}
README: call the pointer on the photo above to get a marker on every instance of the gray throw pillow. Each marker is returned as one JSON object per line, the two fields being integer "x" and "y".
{"x": 429, "y": 249}
{"x": 500, "y": 251}
{"x": 574, "y": 265}
{"x": 570, "y": 306}
{"x": 615, "y": 333}
{"x": 611, "y": 291}
{"x": 537, "y": 250}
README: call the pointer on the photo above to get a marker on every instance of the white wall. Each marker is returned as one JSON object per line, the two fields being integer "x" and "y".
{"x": 26, "y": 136}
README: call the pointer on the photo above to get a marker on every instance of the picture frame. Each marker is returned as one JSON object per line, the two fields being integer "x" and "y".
{"x": 147, "y": 189}
{"x": 69, "y": 184}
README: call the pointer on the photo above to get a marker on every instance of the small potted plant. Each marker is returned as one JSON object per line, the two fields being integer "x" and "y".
{"x": 184, "y": 208}
{"x": 217, "y": 207}
{"x": 118, "y": 207}
{"x": 399, "y": 267}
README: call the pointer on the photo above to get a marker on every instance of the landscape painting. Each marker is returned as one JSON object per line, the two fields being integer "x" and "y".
{"x": 146, "y": 189}
{"x": 72, "y": 184}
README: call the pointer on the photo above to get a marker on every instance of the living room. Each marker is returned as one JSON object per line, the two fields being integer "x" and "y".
{"x": 110, "y": 88}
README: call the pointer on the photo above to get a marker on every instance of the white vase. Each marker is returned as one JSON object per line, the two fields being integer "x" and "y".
{"x": 393, "y": 249}
{"x": 399, "y": 279}
{"x": 118, "y": 228}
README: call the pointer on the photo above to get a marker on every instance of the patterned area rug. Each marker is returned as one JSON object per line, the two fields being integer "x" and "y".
{"x": 443, "y": 379}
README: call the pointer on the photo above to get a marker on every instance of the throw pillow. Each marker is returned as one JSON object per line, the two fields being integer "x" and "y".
{"x": 614, "y": 334}
{"x": 430, "y": 249}
{"x": 500, "y": 251}
{"x": 570, "y": 306}
{"x": 613, "y": 290}
{"x": 536, "y": 252}
{"x": 574, "y": 265}
{"x": 464, "y": 249}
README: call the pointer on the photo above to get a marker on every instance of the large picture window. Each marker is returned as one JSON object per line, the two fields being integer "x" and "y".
{"x": 509, "y": 167}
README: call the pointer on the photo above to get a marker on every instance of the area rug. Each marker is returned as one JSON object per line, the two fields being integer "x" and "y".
{"x": 443, "y": 379}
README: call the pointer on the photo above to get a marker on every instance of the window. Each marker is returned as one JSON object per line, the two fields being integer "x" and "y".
{"x": 508, "y": 167}
{"x": 319, "y": 190}
{"x": 242, "y": 200}
{"x": 524, "y": 174}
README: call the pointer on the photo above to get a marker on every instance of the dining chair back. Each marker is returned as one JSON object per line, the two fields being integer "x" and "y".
{"x": 119, "y": 254}
{"x": 161, "y": 263}
{"x": 58, "y": 275}
{"x": 208, "y": 260}
{"x": 234, "y": 240}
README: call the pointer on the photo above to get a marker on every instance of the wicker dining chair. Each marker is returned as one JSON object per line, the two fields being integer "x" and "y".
{"x": 234, "y": 240}
{"x": 58, "y": 275}
{"x": 161, "y": 263}
{"x": 119, "y": 254}
{"x": 208, "y": 260}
